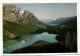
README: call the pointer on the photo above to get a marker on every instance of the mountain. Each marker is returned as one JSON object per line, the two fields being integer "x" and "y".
{"x": 61, "y": 20}
{"x": 17, "y": 22}
{"x": 13, "y": 13}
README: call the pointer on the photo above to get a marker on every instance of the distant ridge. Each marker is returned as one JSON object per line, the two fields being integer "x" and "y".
{"x": 61, "y": 20}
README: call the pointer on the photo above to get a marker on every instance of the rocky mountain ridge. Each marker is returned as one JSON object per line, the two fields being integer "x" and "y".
{"x": 13, "y": 13}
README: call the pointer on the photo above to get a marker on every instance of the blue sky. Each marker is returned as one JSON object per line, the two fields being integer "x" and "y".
{"x": 50, "y": 11}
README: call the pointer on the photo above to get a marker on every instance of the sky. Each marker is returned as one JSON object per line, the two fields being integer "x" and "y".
{"x": 50, "y": 11}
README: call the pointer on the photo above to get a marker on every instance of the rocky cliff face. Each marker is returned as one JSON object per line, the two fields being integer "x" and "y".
{"x": 13, "y": 13}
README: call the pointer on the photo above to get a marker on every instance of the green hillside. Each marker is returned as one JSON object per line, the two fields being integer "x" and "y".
{"x": 7, "y": 35}
{"x": 20, "y": 30}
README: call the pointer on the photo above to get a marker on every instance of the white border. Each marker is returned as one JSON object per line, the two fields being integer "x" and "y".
{"x": 38, "y": 1}
{"x": 41, "y": 1}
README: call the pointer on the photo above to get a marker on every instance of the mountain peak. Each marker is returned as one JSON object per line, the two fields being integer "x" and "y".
{"x": 13, "y": 13}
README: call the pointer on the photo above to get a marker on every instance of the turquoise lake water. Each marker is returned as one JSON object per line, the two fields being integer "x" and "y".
{"x": 12, "y": 45}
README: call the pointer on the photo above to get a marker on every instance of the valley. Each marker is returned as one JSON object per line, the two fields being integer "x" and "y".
{"x": 24, "y": 33}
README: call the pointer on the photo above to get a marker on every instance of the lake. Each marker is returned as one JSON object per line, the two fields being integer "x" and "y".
{"x": 12, "y": 45}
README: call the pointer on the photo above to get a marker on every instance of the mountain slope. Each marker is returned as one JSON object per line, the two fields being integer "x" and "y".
{"x": 18, "y": 29}
{"x": 18, "y": 22}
